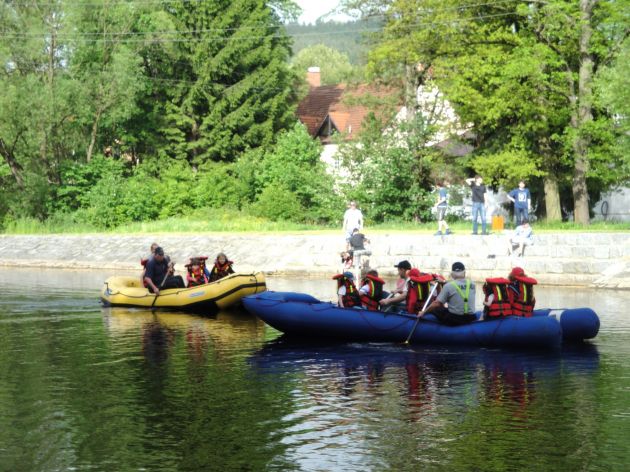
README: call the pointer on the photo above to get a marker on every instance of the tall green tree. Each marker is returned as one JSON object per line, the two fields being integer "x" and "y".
{"x": 232, "y": 89}
{"x": 107, "y": 65}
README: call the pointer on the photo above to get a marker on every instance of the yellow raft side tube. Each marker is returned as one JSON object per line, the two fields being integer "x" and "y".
{"x": 208, "y": 298}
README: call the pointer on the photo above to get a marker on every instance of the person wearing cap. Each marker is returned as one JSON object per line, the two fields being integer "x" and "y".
{"x": 455, "y": 305}
{"x": 347, "y": 293}
{"x": 159, "y": 273}
{"x": 400, "y": 294}
{"x": 514, "y": 285}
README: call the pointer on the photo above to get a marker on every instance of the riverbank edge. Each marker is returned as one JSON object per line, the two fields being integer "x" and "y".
{"x": 570, "y": 259}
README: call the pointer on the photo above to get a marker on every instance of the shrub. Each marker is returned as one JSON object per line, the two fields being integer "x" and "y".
{"x": 278, "y": 203}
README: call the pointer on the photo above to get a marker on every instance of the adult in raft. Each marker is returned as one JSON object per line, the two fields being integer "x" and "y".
{"x": 400, "y": 293}
{"x": 222, "y": 267}
{"x": 455, "y": 305}
{"x": 159, "y": 274}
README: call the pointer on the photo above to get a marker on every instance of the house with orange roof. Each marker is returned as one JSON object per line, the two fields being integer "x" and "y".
{"x": 341, "y": 109}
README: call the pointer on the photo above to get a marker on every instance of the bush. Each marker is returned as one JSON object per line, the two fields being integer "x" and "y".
{"x": 216, "y": 187}
{"x": 278, "y": 203}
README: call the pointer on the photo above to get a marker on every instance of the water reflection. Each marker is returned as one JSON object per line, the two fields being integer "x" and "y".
{"x": 361, "y": 397}
{"x": 128, "y": 389}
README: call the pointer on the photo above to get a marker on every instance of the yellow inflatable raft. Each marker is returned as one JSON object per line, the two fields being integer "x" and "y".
{"x": 208, "y": 298}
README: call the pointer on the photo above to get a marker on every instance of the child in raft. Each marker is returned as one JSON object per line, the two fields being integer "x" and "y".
{"x": 222, "y": 267}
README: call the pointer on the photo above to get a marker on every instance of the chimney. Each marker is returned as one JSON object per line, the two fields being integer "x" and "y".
{"x": 313, "y": 77}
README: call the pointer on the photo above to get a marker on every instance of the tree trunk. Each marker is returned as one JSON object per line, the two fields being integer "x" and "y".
{"x": 14, "y": 165}
{"x": 90, "y": 150}
{"x": 584, "y": 111}
{"x": 552, "y": 198}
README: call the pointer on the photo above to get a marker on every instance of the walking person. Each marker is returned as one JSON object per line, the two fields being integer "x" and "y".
{"x": 441, "y": 207}
{"x": 352, "y": 218}
{"x": 479, "y": 202}
{"x": 522, "y": 202}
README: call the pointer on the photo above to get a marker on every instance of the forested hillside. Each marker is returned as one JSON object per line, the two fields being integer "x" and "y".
{"x": 350, "y": 38}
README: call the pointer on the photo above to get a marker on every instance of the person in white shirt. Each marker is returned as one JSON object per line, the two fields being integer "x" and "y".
{"x": 352, "y": 218}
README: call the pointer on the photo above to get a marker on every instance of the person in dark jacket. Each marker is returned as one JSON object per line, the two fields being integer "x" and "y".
{"x": 159, "y": 273}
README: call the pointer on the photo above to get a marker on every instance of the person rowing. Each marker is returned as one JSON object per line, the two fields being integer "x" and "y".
{"x": 455, "y": 305}
{"x": 159, "y": 273}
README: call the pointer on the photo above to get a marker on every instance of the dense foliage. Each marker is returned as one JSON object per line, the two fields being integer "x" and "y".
{"x": 522, "y": 73}
{"x": 121, "y": 111}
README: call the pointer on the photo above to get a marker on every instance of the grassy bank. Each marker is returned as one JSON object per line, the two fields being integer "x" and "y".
{"x": 208, "y": 221}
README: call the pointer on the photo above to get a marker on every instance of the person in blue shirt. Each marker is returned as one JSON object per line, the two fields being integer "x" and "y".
{"x": 522, "y": 202}
{"x": 440, "y": 206}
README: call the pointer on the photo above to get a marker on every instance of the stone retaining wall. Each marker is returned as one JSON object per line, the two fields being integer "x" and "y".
{"x": 579, "y": 259}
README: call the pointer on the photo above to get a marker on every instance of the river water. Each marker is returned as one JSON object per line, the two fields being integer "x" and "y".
{"x": 88, "y": 388}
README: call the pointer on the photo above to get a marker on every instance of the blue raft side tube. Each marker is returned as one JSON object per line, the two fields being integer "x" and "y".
{"x": 577, "y": 324}
{"x": 303, "y": 315}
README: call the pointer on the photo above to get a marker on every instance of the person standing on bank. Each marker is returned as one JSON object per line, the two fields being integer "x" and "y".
{"x": 455, "y": 305}
{"x": 352, "y": 218}
{"x": 522, "y": 202}
{"x": 479, "y": 202}
{"x": 159, "y": 274}
{"x": 440, "y": 207}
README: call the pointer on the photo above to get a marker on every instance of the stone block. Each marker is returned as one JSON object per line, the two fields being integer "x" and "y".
{"x": 601, "y": 252}
{"x": 553, "y": 267}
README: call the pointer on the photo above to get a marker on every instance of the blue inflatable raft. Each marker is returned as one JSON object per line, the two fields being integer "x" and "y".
{"x": 299, "y": 314}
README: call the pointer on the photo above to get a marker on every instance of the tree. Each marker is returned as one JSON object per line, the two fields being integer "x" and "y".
{"x": 613, "y": 92}
{"x": 232, "y": 88}
{"x": 108, "y": 66}
{"x": 294, "y": 167}
{"x": 391, "y": 168}
{"x": 334, "y": 66}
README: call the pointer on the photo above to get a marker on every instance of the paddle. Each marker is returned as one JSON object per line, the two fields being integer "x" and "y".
{"x": 160, "y": 286}
{"x": 390, "y": 306}
{"x": 418, "y": 317}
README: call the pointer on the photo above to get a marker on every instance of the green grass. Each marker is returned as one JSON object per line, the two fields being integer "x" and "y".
{"x": 224, "y": 220}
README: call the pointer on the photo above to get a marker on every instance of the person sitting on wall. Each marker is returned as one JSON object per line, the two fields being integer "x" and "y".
{"x": 222, "y": 267}
{"x": 346, "y": 260}
{"x": 159, "y": 273}
{"x": 455, "y": 305}
{"x": 523, "y": 236}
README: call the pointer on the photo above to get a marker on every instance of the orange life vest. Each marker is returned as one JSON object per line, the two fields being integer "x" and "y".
{"x": 418, "y": 290}
{"x": 197, "y": 277}
{"x": 221, "y": 270}
{"x": 501, "y": 304}
{"x": 351, "y": 298}
{"x": 370, "y": 300}
{"x": 523, "y": 300}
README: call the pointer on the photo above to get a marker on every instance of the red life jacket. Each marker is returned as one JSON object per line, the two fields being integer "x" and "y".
{"x": 221, "y": 270}
{"x": 371, "y": 299}
{"x": 197, "y": 277}
{"x": 501, "y": 304}
{"x": 523, "y": 300}
{"x": 351, "y": 298}
{"x": 418, "y": 290}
